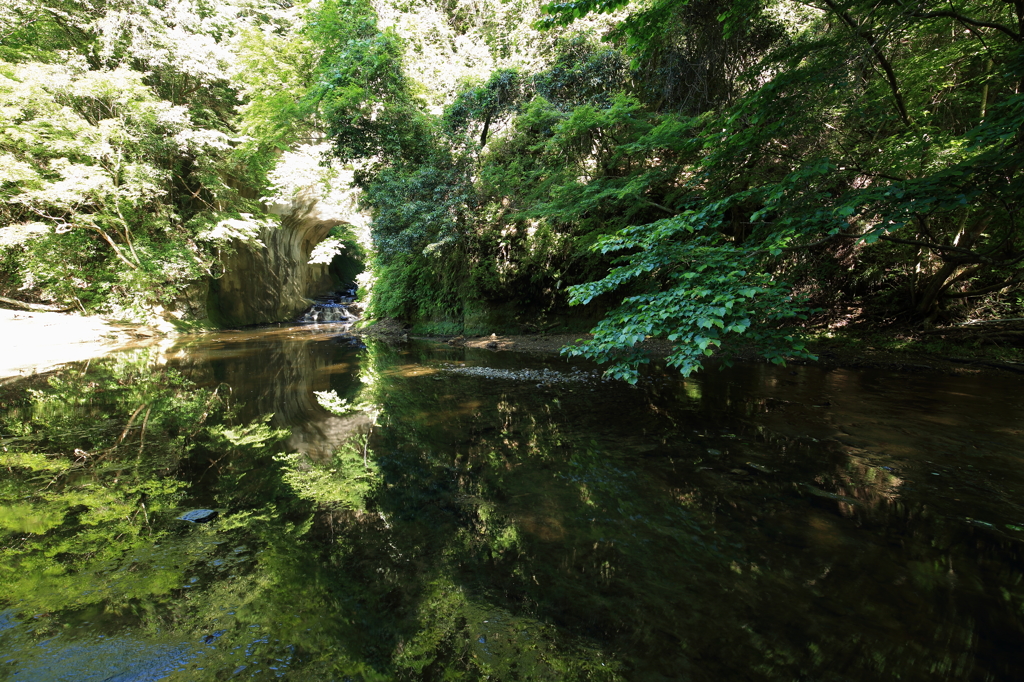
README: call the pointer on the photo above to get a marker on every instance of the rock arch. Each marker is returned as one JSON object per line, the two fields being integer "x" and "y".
{"x": 276, "y": 283}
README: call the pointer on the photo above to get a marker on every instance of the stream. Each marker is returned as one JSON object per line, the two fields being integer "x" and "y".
{"x": 289, "y": 503}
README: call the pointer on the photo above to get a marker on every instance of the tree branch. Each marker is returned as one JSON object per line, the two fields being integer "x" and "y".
{"x": 934, "y": 247}
{"x": 113, "y": 245}
{"x": 876, "y": 49}
{"x": 969, "y": 272}
{"x": 659, "y": 206}
{"x": 819, "y": 242}
{"x": 14, "y": 30}
{"x": 1016, "y": 37}
{"x": 809, "y": 245}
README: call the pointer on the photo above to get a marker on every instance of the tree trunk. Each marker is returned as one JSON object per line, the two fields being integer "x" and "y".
{"x": 487, "y": 127}
{"x": 946, "y": 275}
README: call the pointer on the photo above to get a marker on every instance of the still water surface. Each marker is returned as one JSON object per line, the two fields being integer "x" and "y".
{"x": 427, "y": 513}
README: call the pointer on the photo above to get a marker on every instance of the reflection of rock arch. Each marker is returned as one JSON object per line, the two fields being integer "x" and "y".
{"x": 287, "y": 390}
{"x": 273, "y": 284}
{"x": 319, "y": 438}
{"x": 281, "y": 379}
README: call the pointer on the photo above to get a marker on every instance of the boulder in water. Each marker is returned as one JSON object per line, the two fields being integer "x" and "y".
{"x": 199, "y": 515}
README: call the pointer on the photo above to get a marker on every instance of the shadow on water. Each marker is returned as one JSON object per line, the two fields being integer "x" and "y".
{"x": 428, "y": 513}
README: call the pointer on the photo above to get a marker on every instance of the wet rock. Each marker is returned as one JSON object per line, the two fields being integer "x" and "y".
{"x": 857, "y": 443}
{"x": 326, "y": 311}
{"x": 386, "y": 329}
{"x": 199, "y": 515}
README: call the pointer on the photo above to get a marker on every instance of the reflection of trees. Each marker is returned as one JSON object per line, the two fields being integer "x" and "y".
{"x": 484, "y": 528}
{"x": 500, "y": 545}
{"x": 867, "y": 557}
{"x": 565, "y": 536}
{"x": 89, "y": 460}
{"x": 98, "y": 461}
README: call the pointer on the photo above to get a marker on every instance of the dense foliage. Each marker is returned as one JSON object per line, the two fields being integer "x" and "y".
{"x": 734, "y": 164}
{"x": 711, "y": 172}
{"x": 121, "y": 159}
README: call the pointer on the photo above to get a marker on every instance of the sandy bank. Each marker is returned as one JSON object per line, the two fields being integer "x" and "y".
{"x": 33, "y": 342}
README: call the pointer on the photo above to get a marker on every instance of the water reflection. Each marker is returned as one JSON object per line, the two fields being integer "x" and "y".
{"x": 384, "y": 513}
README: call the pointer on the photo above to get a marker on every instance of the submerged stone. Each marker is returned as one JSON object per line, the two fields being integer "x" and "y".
{"x": 199, "y": 515}
{"x": 757, "y": 467}
{"x": 818, "y": 492}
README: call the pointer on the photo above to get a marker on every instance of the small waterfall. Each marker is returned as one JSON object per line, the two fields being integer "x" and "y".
{"x": 340, "y": 308}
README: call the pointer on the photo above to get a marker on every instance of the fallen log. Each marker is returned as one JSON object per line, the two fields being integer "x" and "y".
{"x": 978, "y": 323}
{"x": 33, "y": 306}
{"x": 1017, "y": 367}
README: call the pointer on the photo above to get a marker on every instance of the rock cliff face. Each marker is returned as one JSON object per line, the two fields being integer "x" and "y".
{"x": 275, "y": 283}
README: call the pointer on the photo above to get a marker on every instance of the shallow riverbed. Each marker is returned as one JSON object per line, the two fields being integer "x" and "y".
{"x": 421, "y": 512}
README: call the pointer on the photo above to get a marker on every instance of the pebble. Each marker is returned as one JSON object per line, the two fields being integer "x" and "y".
{"x": 542, "y": 377}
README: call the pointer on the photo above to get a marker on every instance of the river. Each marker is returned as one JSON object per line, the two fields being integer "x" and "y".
{"x": 287, "y": 503}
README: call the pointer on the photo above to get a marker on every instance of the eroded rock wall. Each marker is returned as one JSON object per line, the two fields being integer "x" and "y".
{"x": 274, "y": 283}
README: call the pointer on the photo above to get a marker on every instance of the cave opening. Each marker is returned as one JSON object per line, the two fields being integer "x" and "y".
{"x": 340, "y": 278}
{"x": 344, "y": 269}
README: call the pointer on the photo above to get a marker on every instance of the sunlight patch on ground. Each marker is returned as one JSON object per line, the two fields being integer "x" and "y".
{"x": 33, "y": 342}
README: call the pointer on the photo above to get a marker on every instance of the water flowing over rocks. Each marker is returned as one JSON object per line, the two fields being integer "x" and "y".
{"x": 340, "y": 308}
{"x": 329, "y": 312}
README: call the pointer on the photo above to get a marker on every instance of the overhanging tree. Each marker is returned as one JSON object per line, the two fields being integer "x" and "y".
{"x": 891, "y": 126}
